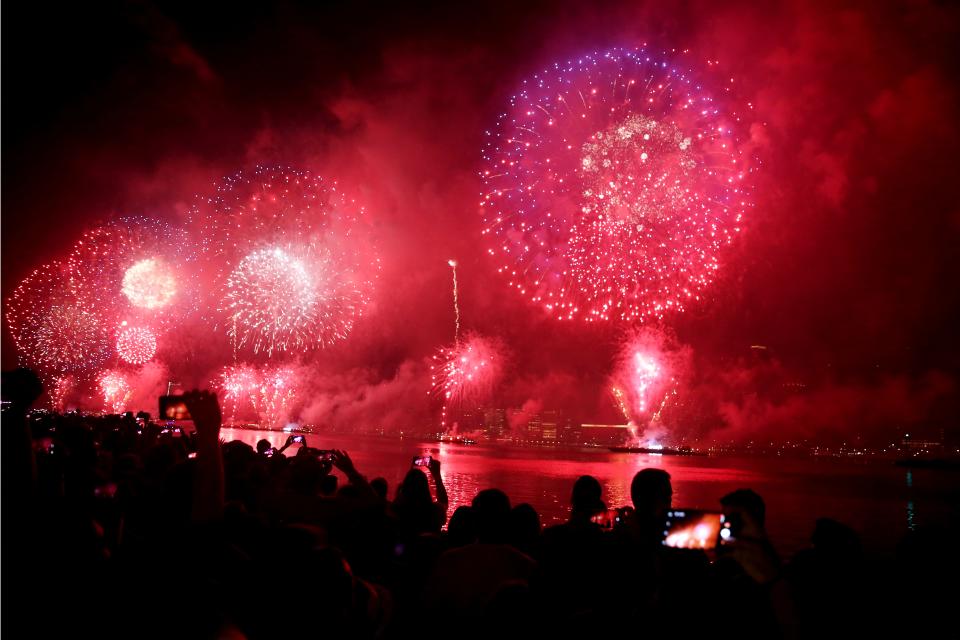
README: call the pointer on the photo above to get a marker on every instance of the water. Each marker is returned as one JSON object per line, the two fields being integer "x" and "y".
{"x": 876, "y": 498}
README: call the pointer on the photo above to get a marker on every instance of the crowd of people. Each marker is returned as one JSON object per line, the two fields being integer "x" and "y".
{"x": 119, "y": 526}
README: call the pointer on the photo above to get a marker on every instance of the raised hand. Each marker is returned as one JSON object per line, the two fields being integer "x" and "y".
{"x": 205, "y": 411}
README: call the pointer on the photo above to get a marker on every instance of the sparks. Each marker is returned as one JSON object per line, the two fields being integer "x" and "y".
{"x": 613, "y": 182}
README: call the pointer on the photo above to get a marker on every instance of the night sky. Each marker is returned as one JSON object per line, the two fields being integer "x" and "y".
{"x": 846, "y": 270}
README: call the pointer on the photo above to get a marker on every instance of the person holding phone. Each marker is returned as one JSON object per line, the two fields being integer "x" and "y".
{"x": 416, "y": 510}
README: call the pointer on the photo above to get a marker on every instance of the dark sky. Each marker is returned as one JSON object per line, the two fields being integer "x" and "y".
{"x": 847, "y": 269}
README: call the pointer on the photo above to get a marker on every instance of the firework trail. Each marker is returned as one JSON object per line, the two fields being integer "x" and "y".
{"x": 291, "y": 257}
{"x": 465, "y": 373}
{"x": 613, "y": 181}
{"x": 53, "y": 329}
{"x": 456, "y": 300}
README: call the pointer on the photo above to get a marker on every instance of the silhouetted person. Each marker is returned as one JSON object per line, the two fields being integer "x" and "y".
{"x": 575, "y": 563}
{"x": 467, "y": 579}
{"x": 747, "y": 567}
{"x": 416, "y": 510}
{"x": 263, "y": 446}
{"x": 525, "y": 528}
{"x": 379, "y": 486}
{"x": 461, "y": 529}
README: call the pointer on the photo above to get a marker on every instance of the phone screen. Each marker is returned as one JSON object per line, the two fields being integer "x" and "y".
{"x": 692, "y": 529}
{"x": 300, "y": 439}
{"x": 173, "y": 408}
{"x": 422, "y": 461}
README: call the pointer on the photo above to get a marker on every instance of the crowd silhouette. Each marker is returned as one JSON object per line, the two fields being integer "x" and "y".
{"x": 118, "y": 526}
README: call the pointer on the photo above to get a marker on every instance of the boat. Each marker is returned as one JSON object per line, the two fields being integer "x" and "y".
{"x": 659, "y": 450}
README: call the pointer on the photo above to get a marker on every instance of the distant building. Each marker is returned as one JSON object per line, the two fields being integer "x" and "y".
{"x": 606, "y": 435}
{"x": 494, "y": 423}
{"x": 549, "y": 426}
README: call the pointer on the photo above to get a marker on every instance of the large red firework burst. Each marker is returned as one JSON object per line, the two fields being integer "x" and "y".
{"x": 613, "y": 182}
{"x": 55, "y": 331}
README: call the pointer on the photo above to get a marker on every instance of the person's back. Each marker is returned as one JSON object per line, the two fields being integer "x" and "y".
{"x": 467, "y": 579}
{"x": 574, "y": 561}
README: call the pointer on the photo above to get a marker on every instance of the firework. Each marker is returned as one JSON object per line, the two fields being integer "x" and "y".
{"x": 646, "y": 374}
{"x": 149, "y": 283}
{"x": 265, "y": 392}
{"x": 456, "y": 300}
{"x": 612, "y": 184}
{"x": 59, "y": 390}
{"x": 136, "y": 345}
{"x": 131, "y": 268}
{"x": 465, "y": 372}
{"x": 276, "y": 393}
{"x": 239, "y": 383}
{"x": 280, "y": 300}
{"x": 292, "y": 256}
{"x": 54, "y": 331}
{"x": 115, "y": 390}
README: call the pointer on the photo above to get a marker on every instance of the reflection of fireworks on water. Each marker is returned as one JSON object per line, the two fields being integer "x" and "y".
{"x": 53, "y": 330}
{"x": 465, "y": 372}
{"x": 136, "y": 345}
{"x": 291, "y": 253}
{"x": 239, "y": 384}
{"x": 613, "y": 182}
{"x": 280, "y": 300}
{"x": 59, "y": 390}
{"x": 129, "y": 268}
{"x": 115, "y": 390}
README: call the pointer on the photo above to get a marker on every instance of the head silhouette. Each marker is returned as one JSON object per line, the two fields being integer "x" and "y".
{"x": 491, "y": 516}
{"x": 651, "y": 493}
{"x": 585, "y": 498}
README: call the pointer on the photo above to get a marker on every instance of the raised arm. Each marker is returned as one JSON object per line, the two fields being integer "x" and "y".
{"x": 208, "y": 480}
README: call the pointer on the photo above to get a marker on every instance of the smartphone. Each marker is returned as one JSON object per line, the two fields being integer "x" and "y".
{"x": 173, "y": 408}
{"x": 326, "y": 455}
{"x": 422, "y": 461}
{"x": 692, "y": 529}
{"x": 606, "y": 519}
{"x": 299, "y": 439}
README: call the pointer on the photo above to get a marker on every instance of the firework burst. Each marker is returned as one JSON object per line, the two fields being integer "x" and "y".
{"x": 54, "y": 331}
{"x": 130, "y": 268}
{"x": 239, "y": 384}
{"x": 280, "y": 300}
{"x": 646, "y": 373}
{"x": 276, "y": 393}
{"x": 115, "y": 390}
{"x": 465, "y": 373}
{"x": 136, "y": 345}
{"x": 291, "y": 254}
{"x": 613, "y": 182}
